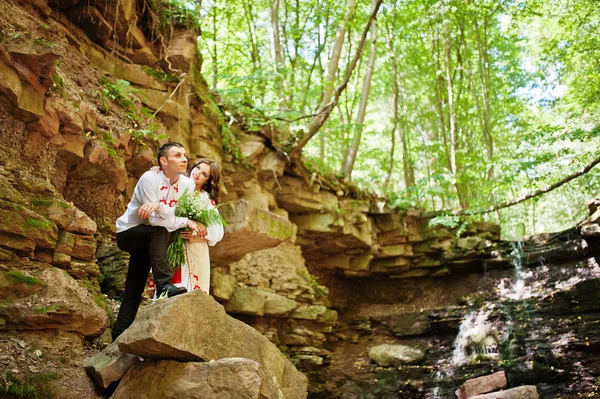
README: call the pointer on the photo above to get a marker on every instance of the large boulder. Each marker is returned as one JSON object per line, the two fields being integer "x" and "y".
{"x": 54, "y": 301}
{"x": 232, "y": 378}
{"x": 248, "y": 229}
{"x": 194, "y": 326}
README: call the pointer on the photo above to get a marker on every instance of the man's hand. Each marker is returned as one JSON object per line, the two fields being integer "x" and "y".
{"x": 146, "y": 210}
{"x": 199, "y": 228}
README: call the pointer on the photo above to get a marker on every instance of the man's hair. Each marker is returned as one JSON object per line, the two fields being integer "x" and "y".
{"x": 164, "y": 150}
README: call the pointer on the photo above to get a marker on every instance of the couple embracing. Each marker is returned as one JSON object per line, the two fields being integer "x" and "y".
{"x": 150, "y": 216}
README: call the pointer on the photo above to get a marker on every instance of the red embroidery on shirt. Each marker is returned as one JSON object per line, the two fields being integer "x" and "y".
{"x": 172, "y": 202}
{"x": 213, "y": 202}
{"x": 164, "y": 187}
{"x": 163, "y": 200}
{"x": 176, "y": 188}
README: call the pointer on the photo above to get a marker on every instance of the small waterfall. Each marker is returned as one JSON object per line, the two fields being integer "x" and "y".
{"x": 476, "y": 336}
{"x": 517, "y": 290}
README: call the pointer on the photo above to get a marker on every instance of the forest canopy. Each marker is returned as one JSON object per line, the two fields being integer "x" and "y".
{"x": 443, "y": 105}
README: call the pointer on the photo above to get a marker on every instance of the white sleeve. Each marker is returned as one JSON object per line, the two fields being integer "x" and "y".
{"x": 215, "y": 233}
{"x": 171, "y": 223}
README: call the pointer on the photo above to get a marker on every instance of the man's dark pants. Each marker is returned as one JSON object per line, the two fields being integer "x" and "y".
{"x": 147, "y": 246}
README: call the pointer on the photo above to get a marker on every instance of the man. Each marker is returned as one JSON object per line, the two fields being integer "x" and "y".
{"x": 142, "y": 230}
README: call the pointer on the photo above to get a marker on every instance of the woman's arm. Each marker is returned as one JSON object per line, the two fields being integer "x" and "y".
{"x": 189, "y": 236}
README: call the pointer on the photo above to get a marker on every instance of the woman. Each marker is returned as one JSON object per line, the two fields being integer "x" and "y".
{"x": 195, "y": 272}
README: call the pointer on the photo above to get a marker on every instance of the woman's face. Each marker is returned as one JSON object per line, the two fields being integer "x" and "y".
{"x": 200, "y": 174}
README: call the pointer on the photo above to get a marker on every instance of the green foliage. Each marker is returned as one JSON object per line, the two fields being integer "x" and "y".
{"x": 46, "y": 43}
{"x": 31, "y": 223}
{"x": 231, "y": 143}
{"x": 22, "y": 278}
{"x": 150, "y": 134}
{"x": 47, "y": 203}
{"x": 450, "y": 221}
{"x": 58, "y": 85}
{"x": 319, "y": 290}
{"x": 35, "y": 386}
{"x": 523, "y": 78}
{"x": 160, "y": 75}
{"x": 121, "y": 93}
{"x": 47, "y": 309}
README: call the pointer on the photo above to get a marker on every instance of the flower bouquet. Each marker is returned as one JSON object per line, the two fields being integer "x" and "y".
{"x": 195, "y": 206}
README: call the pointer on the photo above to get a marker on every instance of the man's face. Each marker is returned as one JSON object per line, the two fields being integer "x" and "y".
{"x": 175, "y": 161}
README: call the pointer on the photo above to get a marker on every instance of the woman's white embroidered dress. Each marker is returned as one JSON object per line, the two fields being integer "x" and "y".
{"x": 194, "y": 274}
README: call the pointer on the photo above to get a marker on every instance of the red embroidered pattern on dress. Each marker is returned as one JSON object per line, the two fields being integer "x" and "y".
{"x": 163, "y": 200}
{"x": 196, "y": 286}
{"x": 176, "y": 278}
{"x": 172, "y": 202}
{"x": 164, "y": 187}
{"x": 176, "y": 188}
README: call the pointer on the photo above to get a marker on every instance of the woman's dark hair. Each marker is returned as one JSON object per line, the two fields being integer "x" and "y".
{"x": 212, "y": 184}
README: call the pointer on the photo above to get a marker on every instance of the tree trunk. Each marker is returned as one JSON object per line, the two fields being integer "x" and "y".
{"x": 452, "y": 116}
{"x": 335, "y": 56}
{"x": 325, "y": 108}
{"x": 277, "y": 51}
{"x": 409, "y": 179}
{"x": 350, "y": 157}
{"x": 249, "y": 18}
{"x": 439, "y": 91}
{"x": 484, "y": 68}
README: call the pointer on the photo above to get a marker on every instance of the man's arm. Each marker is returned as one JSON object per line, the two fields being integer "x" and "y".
{"x": 147, "y": 192}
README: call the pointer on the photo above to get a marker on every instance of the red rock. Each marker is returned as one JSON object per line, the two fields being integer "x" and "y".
{"x": 481, "y": 385}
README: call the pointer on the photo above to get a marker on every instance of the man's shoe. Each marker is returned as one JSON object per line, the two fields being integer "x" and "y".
{"x": 170, "y": 290}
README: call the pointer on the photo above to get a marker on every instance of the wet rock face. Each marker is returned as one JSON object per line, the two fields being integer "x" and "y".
{"x": 536, "y": 329}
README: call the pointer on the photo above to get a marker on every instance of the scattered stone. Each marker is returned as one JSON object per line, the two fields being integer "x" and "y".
{"x": 523, "y": 392}
{"x": 395, "y": 355}
{"x": 480, "y": 385}
{"x": 109, "y": 365}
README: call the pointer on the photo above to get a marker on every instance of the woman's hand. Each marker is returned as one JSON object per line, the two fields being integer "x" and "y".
{"x": 189, "y": 235}
{"x": 147, "y": 209}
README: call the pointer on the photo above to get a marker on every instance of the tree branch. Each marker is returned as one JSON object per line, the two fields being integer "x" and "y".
{"x": 541, "y": 191}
